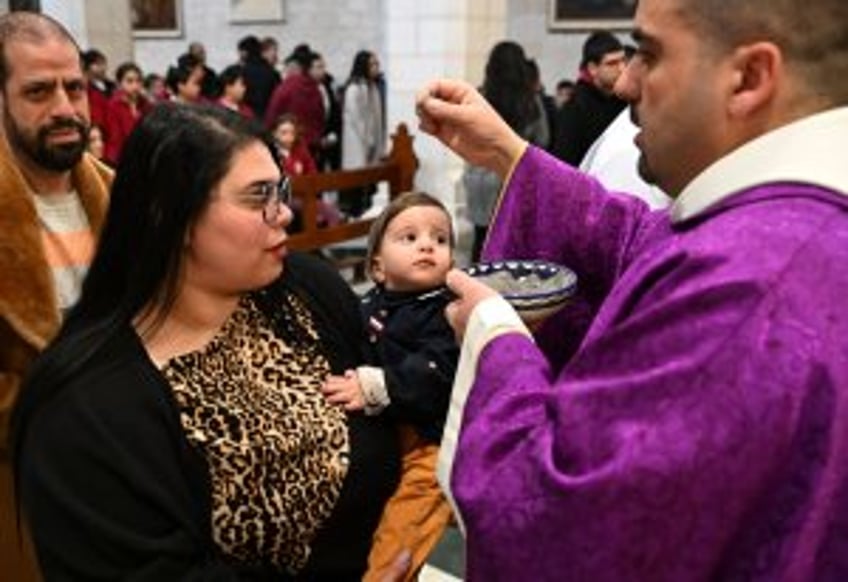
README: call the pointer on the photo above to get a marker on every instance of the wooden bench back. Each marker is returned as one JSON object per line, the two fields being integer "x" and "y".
{"x": 398, "y": 169}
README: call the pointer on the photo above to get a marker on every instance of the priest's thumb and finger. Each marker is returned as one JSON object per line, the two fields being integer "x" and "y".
{"x": 469, "y": 293}
{"x": 455, "y": 113}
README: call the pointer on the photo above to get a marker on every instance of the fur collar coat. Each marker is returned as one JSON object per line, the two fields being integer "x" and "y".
{"x": 29, "y": 313}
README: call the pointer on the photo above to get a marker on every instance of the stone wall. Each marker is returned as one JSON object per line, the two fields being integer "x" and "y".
{"x": 336, "y": 29}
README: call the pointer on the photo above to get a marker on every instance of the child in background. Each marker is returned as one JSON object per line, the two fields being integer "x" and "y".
{"x": 410, "y": 251}
{"x": 126, "y": 107}
{"x": 233, "y": 90}
{"x": 297, "y": 161}
{"x": 95, "y": 145}
{"x": 155, "y": 88}
{"x": 184, "y": 82}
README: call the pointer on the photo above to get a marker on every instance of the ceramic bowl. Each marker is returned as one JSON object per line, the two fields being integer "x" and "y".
{"x": 535, "y": 289}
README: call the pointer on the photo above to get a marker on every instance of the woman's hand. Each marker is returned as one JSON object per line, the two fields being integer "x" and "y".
{"x": 462, "y": 119}
{"x": 470, "y": 293}
{"x": 344, "y": 391}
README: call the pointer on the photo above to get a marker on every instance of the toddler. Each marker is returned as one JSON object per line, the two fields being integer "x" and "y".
{"x": 410, "y": 251}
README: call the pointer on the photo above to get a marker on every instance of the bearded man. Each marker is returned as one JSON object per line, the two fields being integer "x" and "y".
{"x": 53, "y": 198}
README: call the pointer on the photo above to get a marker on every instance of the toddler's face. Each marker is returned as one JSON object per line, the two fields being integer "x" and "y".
{"x": 416, "y": 253}
{"x": 285, "y": 135}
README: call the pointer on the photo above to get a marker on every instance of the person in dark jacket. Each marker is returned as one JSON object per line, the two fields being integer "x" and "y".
{"x": 593, "y": 106}
{"x": 410, "y": 250}
{"x": 211, "y": 86}
{"x": 259, "y": 76}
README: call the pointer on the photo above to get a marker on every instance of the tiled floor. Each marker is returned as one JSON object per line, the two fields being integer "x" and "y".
{"x": 447, "y": 562}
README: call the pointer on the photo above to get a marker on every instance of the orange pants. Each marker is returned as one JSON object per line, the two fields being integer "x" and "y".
{"x": 416, "y": 516}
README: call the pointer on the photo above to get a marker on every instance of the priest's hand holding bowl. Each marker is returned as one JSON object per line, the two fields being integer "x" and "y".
{"x": 535, "y": 289}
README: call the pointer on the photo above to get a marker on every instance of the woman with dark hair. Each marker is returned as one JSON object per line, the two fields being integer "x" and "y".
{"x": 508, "y": 88}
{"x": 233, "y": 89}
{"x": 363, "y": 129}
{"x": 175, "y": 429}
{"x": 185, "y": 81}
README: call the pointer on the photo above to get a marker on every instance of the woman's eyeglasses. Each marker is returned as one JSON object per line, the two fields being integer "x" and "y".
{"x": 274, "y": 196}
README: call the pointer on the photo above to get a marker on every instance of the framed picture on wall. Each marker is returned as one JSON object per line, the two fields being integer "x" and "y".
{"x": 156, "y": 18}
{"x": 252, "y": 11}
{"x": 591, "y": 14}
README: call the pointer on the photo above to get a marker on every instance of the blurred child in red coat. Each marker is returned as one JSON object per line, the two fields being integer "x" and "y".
{"x": 297, "y": 161}
{"x": 125, "y": 108}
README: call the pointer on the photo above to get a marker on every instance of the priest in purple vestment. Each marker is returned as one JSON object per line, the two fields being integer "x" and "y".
{"x": 690, "y": 421}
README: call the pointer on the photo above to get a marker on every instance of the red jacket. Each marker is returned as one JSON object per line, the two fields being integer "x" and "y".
{"x": 299, "y": 161}
{"x": 98, "y": 103}
{"x": 299, "y": 94}
{"x": 120, "y": 121}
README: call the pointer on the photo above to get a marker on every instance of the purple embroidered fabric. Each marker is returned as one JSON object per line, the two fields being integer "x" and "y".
{"x": 699, "y": 429}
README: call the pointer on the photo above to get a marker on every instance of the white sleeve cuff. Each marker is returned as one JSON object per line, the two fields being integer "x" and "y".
{"x": 373, "y": 383}
{"x": 489, "y": 319}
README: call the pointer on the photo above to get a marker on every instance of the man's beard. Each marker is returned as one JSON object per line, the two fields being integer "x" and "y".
{"x": 642, "y": 166}
{"x": 645, "y": 171}
{"x": 59, "y": 158}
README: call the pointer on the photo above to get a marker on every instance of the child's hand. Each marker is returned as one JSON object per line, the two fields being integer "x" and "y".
{"x": 344, "y": 391}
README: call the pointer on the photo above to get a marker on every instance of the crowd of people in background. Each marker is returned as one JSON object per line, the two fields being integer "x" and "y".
{"x": 343, "y": 125}
{"x": 183, "y": 396}
{"x": 328, "y": 118}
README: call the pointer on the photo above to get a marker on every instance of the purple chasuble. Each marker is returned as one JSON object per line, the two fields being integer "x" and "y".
{"x": 699, "y": 427}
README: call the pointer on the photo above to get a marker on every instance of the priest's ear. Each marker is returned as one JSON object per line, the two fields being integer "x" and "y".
{"x": 759, "y": 74}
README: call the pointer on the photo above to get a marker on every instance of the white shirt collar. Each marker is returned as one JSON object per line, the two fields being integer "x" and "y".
{"x": 808, "y": 151}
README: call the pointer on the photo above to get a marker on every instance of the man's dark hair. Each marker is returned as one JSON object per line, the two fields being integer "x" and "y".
{"x": 125, "y": 68}
{"x": 188, "y": 61}
{"x": 599, "y": 44}
{"x": 251, "y": 47}
{"x": 813, "y": 36}
{"x": 230, "y": 75}
{"x": 303, "y": 55}
{"x": 91, "y": 57}
{"x": 565, "y": 84}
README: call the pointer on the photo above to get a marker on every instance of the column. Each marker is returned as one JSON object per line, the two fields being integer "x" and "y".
{"x": 427, "y": 40}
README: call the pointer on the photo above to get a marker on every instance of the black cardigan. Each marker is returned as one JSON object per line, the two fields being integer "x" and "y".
{"x": 113, "y": 489}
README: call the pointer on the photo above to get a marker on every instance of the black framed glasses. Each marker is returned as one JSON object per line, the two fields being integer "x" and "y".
{"x": 274, "y": 195}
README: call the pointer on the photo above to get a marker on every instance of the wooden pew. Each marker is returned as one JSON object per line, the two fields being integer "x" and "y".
{"x": 398, "y": 169}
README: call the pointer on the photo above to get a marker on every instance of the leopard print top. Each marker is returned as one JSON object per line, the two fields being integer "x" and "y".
{"x": 278, "y": 453}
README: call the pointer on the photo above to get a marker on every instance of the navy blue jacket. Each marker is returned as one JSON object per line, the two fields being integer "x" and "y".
{"x": 412, "y": 342}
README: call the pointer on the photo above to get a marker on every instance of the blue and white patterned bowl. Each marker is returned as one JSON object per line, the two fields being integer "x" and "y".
{"x": 535, "y": 289}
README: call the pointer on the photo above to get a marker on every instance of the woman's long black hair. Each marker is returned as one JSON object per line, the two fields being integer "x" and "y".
{"x": 169, "y": 168}
{"x": 507, "y": 86}
{"x": 360, "y": 70}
